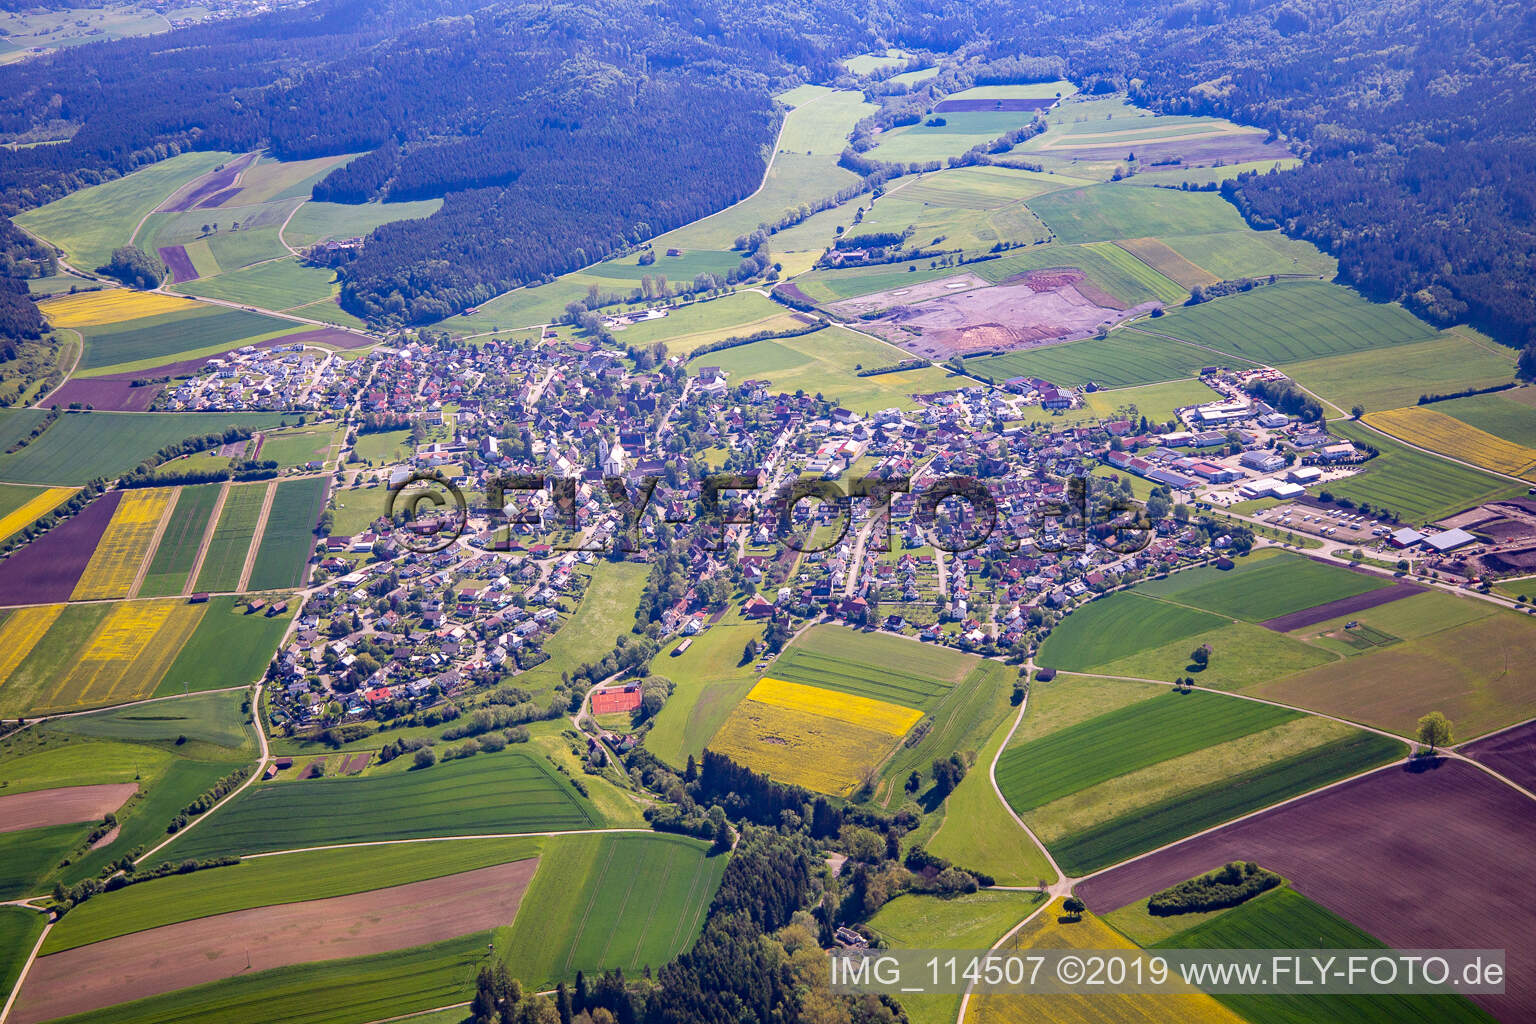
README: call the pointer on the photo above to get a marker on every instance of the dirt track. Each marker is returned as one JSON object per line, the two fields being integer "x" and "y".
{"x": 179, "y": 956}
{"x": 62, "y": 806}
{"x": 1398, "y": 853}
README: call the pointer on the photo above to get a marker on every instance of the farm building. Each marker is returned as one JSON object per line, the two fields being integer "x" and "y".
{"x": 616, "y": 699}
{"x": 1450, "y": 540}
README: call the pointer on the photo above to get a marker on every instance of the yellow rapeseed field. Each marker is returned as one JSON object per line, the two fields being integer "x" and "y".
{"x": 111, "y": 306}
{"x": 801, "y": 747}
{"x": 877, "y": 715}
{"x": 1448, "y": 435}
{"x": 124, "y": 545}
{"x": 47, "y": 500}
{"x": 1047, "y": 931}
{"x": 126, "y": 656}
{"x": 22, "y": 631}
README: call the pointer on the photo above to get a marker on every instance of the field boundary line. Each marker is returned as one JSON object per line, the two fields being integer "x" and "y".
{"x": 202, "y": 548}
{"x": 452, "y": 839}
{"x": 422, "y": 1013}
{"x": 258, "y": 534}
{"x": 965, "y": 998}
{"x": 26, "y": 966}
{"x": 154, "y": 544}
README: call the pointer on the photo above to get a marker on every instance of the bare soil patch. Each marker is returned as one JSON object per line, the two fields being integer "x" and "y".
{"x": 1343, "y": 606}
{"x": 907, "y": 295}
{"x": 178, "y": 263}
{"x": 1399, "y": 853}
{"x": 209, "y": 949}
{"x": 115, "y": 393}
{"x": 62, "y": 806}
{"x": 203, "y": 191}
{"x": 1041, "y": 307}
{"x": 335, "y": 337}
{"x": 1511, "y": 753}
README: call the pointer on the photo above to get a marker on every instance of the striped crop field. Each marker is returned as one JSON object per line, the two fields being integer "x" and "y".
{"x": 878, "y": 715}
{"x": 126, "y": 656}
{"x": 1161, "y": 257}
{"x": 232, "y": 538}
{"x": 46, "y": 501}
{"x": 1438, "y": 432}
{"x": 111, "y": 306}
{"x": 20, "y": 634}
{"x": 123, "y": 547}
{"x": 824, "y": 740}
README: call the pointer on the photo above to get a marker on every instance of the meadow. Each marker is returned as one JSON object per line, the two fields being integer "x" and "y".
{"x": 1203, "y": 806}
{"x": 195, "y": 329}
{"x": 21, "y": 506}
{"x": 298, "y": 446}
{"x": 214, "y": 720}
{"x": 1416, "y": 486}
{"x": 27, "y": 856}
{"x": 229, "y": 648}
{"x": 232, "y": 538}
{"x": 490, "y": 793}
{"x": 1462, "y": 670}
{"x": 19, "y": 929}
{"x": 1265, "y": 588}
{"x": 364, "y": 988}
{"x": 964, "y": 218}
{"x": 1124, "y": 740}
{"x": 1276, "y": 920}
{"x": 1428, "y": 428}
{"x": 1101, "y": 213}
{"x": 289, "y": 538}
{"x": 1508, "y": 415}
{"x": 1241, "y": 654}
{"x": 1246, "y": 253}
{"x": 271, "y": 284}
{"x": 177, "y": 550}
{"x": 315, "y": 222}
{"x": 826, "y": 363}
{"x": 90, "y": 223}
{"x": 599, "y": 902}
{"x": 926, "y": 141}
{"x": 1293, "y": 321}
{"x": 115, "y": 563}
{"x": 606, "y": 612}
{"x": 1118, "y": 625}
{"x": 81, "y": 446}
{"x": 1157, "y": 402}
{"x": 1124, "y": 359}
{"x": 961, "y": 722}
{"x": 883, "y": 671}
{"x": 285, "y": 878}
{"x": 969, "y": 921}
{"x": 708, "y": 679}
{"x": 1393, "y": 377}
{"x": 697, "y": 323}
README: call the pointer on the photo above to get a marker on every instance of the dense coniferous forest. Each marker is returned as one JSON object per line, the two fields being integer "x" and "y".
{"x": 556, "y": 133}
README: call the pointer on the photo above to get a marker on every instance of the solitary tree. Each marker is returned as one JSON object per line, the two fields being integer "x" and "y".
{"x": 1074, "y": 907}
{"x": 1434, "y": 731}
{"x": 1201, "y": 656}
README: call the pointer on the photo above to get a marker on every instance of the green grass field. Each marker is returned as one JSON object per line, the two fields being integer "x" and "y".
{"x": 1292, "y": 322}
{"x": 924, "y": 142}
{"x": 1157, "y": 402}
{"x": 1102, "y": 213}
{"x": 1199, "y": 808}
{"x": 709, "y": 679}
{"x": 289, "y": 539}
{"x": 1115, "y": 626}
{"x": 360, "y": 989}
{"x": 167, "y": 573}
{"x": 19, "y": 929}
{"x": 1509, "y": 415}
{"x": 610, "y": 901}
{"x": 1124, "y": 359}
{"x": 268, "y": 881}
{"x": 276, "y": 284}
{"x": 1235, "y": 254}
{"x": 164, "y": 338}
{"x": 1264, "y": 589}
{"x": 1284, "y": 919}
{"x": 963, "y": 718}
{"x": 228, "y": 648}
{"x": 716, "y": 317}
{"x": 81, "y": 446}
{"x": 489, "y": 793}
{"x": 1241, "y": 654}
{"x": 90, "y": 223}
{"x": 979, "y": 833}
{"x": 28, "y": 856}
{"x": 298, "y": 446}
{"x": 872, "y": 665}
{"x": 606, "y": 612}
{"x": 232, "y": 537}
{"x": 1124, "y": 740}
{"x": 1417, "y": 486}
{"x": 316, "y": 222}
{"x": 1391, "y": 378}
{"x": 214, "y": 719}
{"x": 676, "y": 269}
{"x": 972, "y": 921}
{"x": 825, "y": 363}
